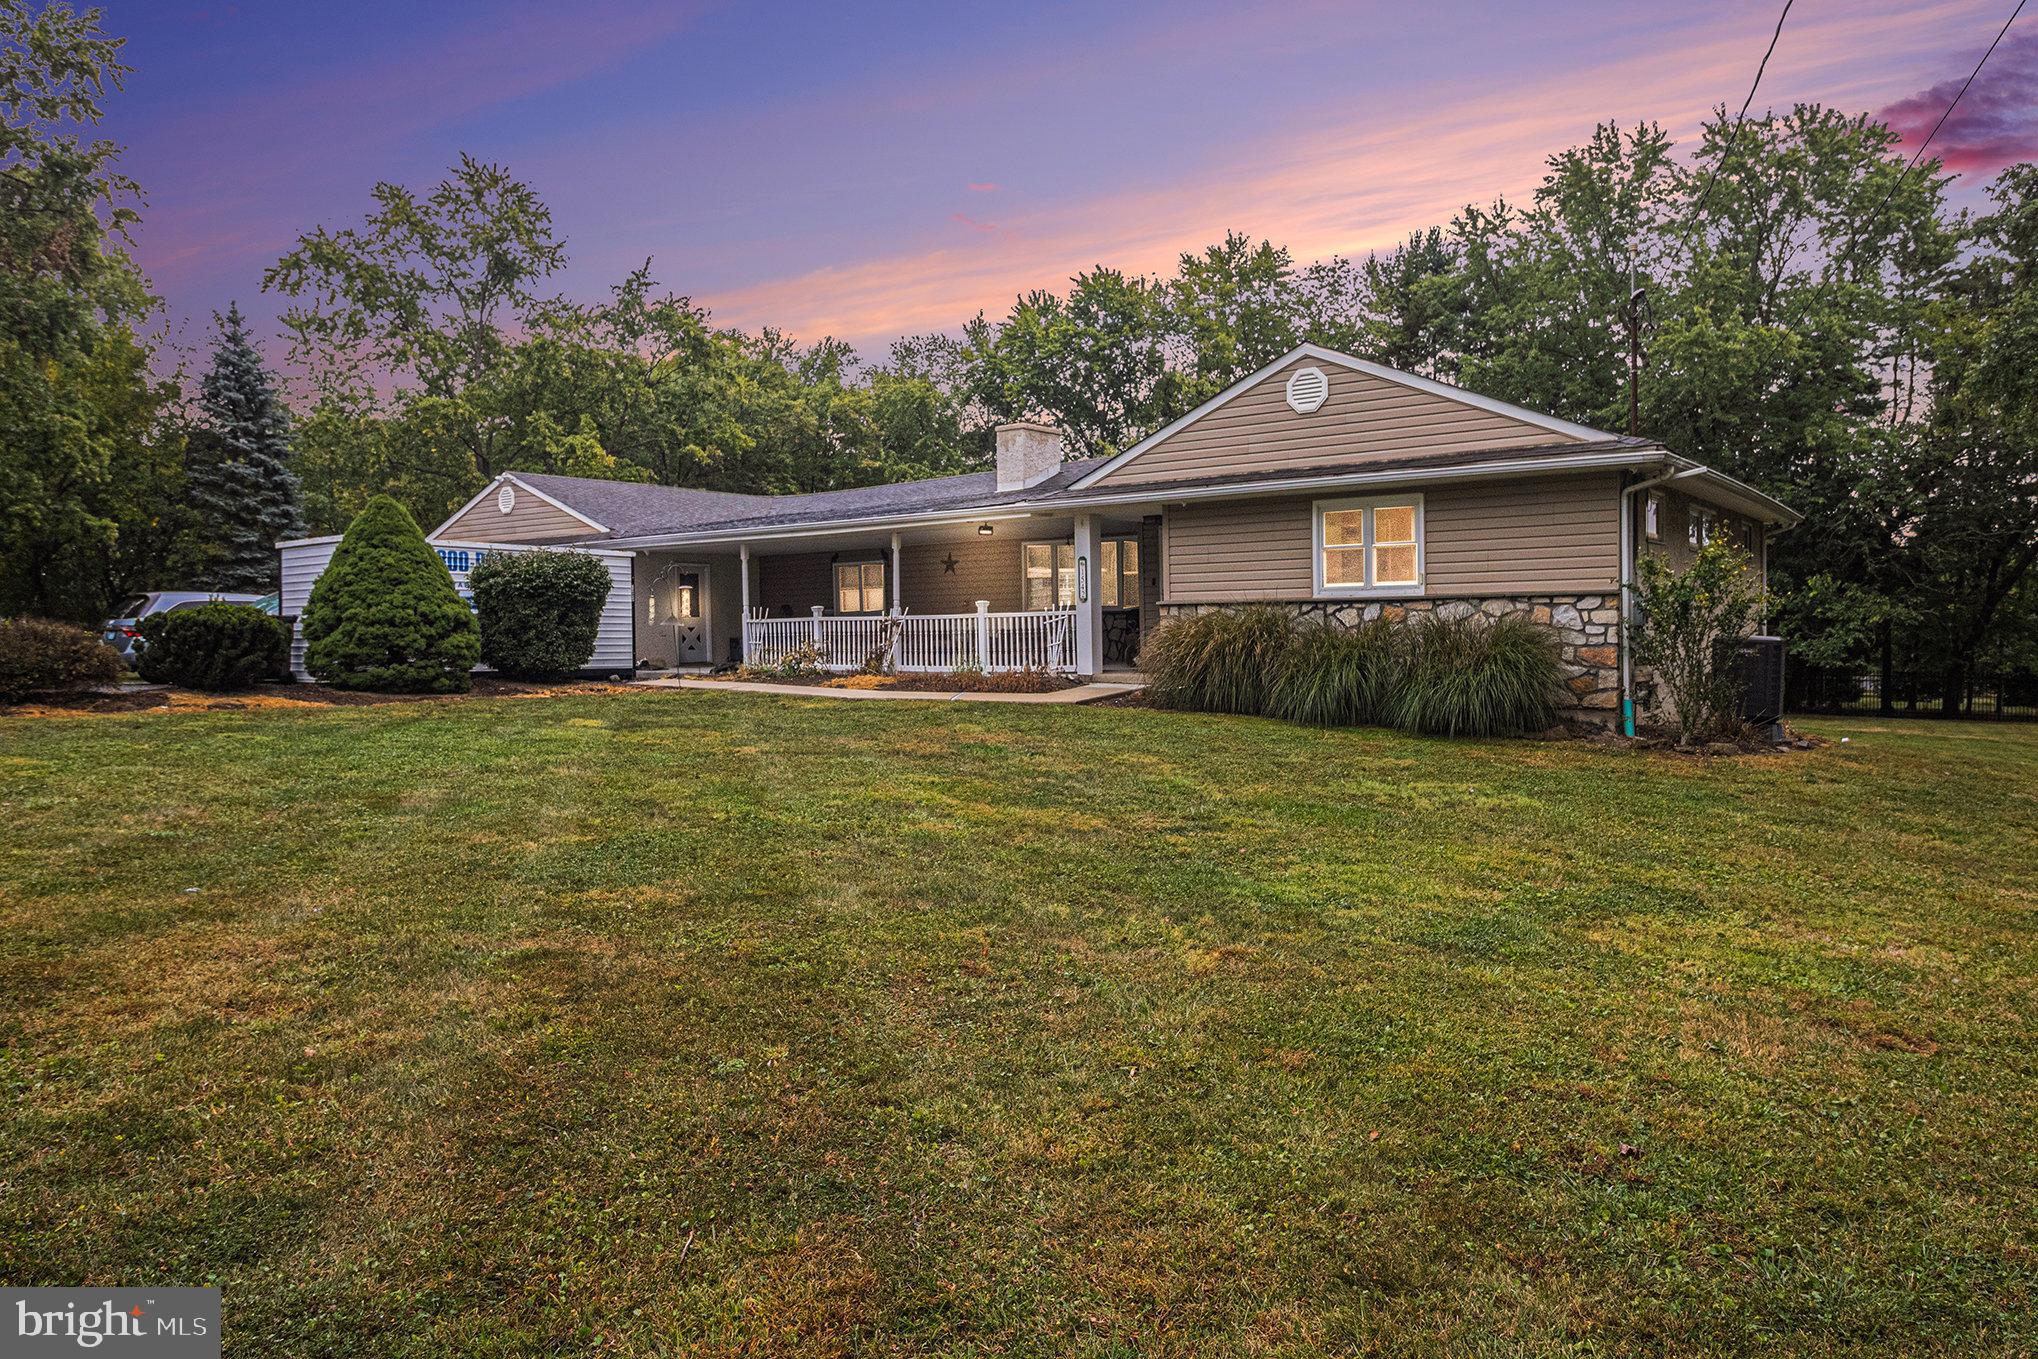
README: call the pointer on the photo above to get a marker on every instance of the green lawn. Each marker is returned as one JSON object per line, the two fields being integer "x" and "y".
{"x": 691, "y": 1023}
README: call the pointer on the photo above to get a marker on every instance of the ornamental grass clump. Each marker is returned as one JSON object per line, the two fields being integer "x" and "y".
{"x": 1473, "y": 676}
{"x": 1337, "y": 677}
{"x": 1221, "y": 662}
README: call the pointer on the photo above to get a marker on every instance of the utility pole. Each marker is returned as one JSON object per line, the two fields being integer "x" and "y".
{"x": 1634, "y": 323}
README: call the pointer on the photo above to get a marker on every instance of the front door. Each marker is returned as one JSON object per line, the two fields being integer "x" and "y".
{"x": 673, "y": 614}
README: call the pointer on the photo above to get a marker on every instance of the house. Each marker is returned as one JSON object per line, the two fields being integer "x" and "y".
{"x": 1330, "y": 486}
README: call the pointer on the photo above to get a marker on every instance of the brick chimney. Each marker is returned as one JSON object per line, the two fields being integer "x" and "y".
{"x": 1029, "y": 452}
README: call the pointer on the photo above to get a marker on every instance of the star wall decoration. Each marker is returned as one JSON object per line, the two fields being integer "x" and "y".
{"x": 949, "y": 563}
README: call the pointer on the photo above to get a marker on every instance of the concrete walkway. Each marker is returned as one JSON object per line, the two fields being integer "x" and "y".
{"x": 1082, "y": 693}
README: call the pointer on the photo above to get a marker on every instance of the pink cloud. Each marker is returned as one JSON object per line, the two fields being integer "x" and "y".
{"x": 964, "y": 219}
{"x": 1356, "y": 178}
{"x": 983, "y": 188}
{"x": 1996, "y": 123}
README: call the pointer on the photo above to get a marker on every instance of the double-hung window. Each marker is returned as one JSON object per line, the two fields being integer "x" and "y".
{"x": 859, "y": 587}
{"x": 1370, "y": 546}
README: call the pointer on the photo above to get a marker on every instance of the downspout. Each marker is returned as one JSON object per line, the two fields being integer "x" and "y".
{"x": 1627, "y": 588}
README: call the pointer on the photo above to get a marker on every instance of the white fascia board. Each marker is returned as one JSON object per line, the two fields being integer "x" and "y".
{"x": 521, "y": 485}
{"x": 1733, "y": 494}
{"x": 1153, "y": 492}
{"x": 567, "y": 546}
{"x": 982, "y": 514}
{"x": 1357, "y": 365}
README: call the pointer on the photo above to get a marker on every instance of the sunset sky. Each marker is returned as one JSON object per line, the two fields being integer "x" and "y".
{"x": 870, "y": 171}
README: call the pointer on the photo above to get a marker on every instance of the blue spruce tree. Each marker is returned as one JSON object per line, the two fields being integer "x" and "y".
{"x": 238, "y": 481}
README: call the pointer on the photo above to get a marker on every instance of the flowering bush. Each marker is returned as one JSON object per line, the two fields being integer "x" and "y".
{"x": 1691, "y": 625}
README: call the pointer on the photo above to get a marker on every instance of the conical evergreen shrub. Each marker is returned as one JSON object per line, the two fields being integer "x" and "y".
{"x": 385, "y": 615}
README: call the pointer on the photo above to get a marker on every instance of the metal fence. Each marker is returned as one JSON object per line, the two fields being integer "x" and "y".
{"x": 1986, "y": 697}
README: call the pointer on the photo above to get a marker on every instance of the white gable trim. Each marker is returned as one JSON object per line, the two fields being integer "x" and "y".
{"x": 1322, "y": 355}
{"x": 526, "y": 488}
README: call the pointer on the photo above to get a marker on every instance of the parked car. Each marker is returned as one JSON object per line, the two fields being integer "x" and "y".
{"x": 123, "y": 634}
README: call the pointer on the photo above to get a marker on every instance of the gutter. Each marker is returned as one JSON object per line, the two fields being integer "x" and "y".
{"x": 1627, "y": 586}
{"x": 1149, "y": 493}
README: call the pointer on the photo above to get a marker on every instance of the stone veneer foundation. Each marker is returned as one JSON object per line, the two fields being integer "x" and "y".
{"x": 1587, "y": 628}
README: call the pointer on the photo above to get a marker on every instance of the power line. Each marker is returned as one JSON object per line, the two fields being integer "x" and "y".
{"x": 1919, "y": 153}
{"x": 1735, "y": 135}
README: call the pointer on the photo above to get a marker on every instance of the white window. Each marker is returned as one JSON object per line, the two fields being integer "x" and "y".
{"x": 1120, "y": 575}
{"x": 1652, "y": 518}
{"x": 859, "y": 587}
{"x": 1698, "y": 527}
{"x": 1369, "y": 546}
{"x": 1049, "y": 576}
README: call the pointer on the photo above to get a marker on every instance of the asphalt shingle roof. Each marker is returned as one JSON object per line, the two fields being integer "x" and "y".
{"x": 631, "y": 509}
{"x": 634, "y": 509}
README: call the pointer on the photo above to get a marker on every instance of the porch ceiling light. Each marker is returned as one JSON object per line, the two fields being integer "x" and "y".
{"x": 984, "y": 530}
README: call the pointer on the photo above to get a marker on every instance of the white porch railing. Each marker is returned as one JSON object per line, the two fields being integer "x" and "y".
{"x": 928, "y": 643}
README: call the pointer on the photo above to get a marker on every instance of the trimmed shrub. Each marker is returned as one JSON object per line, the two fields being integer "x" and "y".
{"x": 385, "y": 615}
{"x": 214, "y": 647}
{"x": 539, "y": 611}
{"x": 38, "y": 656}
{"x": 1477, "y": 677}
{"x": 1221, "y": 662}
{"x": 1337, "y": 677}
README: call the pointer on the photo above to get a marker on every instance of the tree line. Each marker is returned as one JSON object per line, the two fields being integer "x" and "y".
{"x": 1810, "y": 315}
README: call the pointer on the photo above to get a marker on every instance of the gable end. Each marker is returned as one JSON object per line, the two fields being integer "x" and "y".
{"x": 1367, "y": 412}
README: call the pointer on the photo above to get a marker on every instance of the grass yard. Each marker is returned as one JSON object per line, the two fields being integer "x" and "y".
{"x": 687, "y": 1023}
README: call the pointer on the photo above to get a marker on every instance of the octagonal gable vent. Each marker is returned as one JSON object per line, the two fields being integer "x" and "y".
{"x": 506, "y": 498}
{"x": 1308, "y": 388}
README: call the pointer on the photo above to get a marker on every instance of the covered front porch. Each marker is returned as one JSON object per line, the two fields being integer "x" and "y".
{"x": 1069, "y": 594}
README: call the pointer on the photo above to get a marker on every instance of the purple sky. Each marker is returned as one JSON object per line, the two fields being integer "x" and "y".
{"x": 869, "y": 171}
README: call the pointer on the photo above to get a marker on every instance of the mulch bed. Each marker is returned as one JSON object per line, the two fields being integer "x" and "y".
{"x": 1016, "y": 682}
{"x": 102, "y": 702}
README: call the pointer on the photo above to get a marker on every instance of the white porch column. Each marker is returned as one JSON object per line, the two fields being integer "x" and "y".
{"x": 898, "y": 604}
{"x": 1089, "y": 598}
{"x": 743, "y": 570}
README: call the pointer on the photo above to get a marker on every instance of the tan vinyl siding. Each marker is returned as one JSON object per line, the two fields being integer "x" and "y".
{"x": 985, "y": 568}
{"x": 1549, "y": 535}
{"x": 1364, "y": 417}
{"x": 988, "y": 568}
{"x": 1674, "y": 526}
{"x": 789, "y": 584}
{"x": 532, "y": 521}
{"x": 1235, "y": 551}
